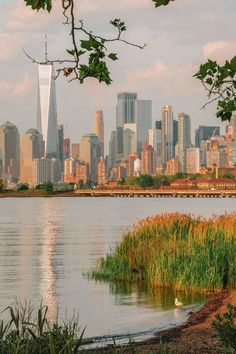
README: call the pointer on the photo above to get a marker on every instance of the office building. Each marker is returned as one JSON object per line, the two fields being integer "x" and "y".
{"x": 47, "y": 110}
{"x": 46, "y": 170}
{"x": 154, "y": 139}
{"x": 31, "y": 147}
{"x": 112, "y": 149}
{"x": 9, "y": 152}
{"x": 75, "y": 151}
{"x": 167, "y": 149}
{"x": 184, "y": 137}
{"x": 205, "y": 133}
{"x": 98, "y": 128}
{"x": 66, "y": 148}
{"x": 90, "y": 153}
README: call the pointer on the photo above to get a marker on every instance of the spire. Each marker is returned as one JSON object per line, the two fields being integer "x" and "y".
{"x": 46, "y": 47}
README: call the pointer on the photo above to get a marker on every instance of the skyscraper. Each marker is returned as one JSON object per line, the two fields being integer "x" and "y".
{"x": 167, "y": 150}
{"x": 148, "y": 160}
{"x": 9, "y": 152}
{"x": 90, "y": 153}
{"x": 31, "y": 147}
{"x": 205, "y": 133}
{"x": 184, "y": 137}
{"x": 98, "y": 128}
{"x": 47, "y": 110}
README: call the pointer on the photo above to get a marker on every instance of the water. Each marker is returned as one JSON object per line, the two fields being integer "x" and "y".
{"x": 47, "y": 243}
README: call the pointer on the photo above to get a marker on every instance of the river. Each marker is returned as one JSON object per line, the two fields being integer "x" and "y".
{"x": 46, "y": 244}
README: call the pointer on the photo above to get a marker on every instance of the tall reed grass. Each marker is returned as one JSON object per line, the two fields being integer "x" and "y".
{"x": 177, "y": 251}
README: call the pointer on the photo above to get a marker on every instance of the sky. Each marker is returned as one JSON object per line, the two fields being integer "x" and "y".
{"x": 179, "y": 37}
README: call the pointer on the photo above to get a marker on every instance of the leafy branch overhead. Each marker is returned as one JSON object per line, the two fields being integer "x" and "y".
{"x": 220, "y": 83}
{"x": 89, "y": 52}
{"x": 89, "y": 55}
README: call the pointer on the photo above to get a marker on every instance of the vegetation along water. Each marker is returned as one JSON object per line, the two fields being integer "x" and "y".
{"x": 178, "y": 251}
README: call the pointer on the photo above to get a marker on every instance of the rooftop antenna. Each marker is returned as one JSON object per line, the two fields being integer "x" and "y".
{"x": 46, "y": 48}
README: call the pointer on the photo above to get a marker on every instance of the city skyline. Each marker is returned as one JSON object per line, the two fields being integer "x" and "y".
{"x": 162, "y": 72}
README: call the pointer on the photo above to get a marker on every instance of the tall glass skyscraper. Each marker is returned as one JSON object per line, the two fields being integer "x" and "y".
{"x": 184, "y": 138}
{"x": 47, "y": 110}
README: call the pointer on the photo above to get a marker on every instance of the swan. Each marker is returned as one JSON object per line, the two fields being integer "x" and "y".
{"x": 178, "y": 303}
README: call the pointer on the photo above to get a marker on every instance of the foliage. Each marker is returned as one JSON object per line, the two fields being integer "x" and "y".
{"x": 176, "y": 251}
{"x": 47, "y": 187}
{"x": 218, "y": 80}
{"x": 225, "y": 327}
{"x": 30, "y": 332}
{"x": 145, "y": 181}
{"x": 220, "y": 83}
{"x": 89, "y": 54}
{"x": 1, "y": 185}
{"x": 23, "y": 187}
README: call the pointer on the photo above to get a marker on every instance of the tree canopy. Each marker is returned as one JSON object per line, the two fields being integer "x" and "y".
{"x": 89, "y": 56}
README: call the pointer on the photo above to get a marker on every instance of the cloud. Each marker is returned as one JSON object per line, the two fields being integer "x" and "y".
{"x": 22, "y": 18}
{"x": 171, "y": 80}
{"x": 16, "y": 89}
{"x": 219, "y": 50}
{"x": 11, "y": 45}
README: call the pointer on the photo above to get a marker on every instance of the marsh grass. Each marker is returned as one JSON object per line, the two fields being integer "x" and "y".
{"x": 176, "y": 251}
{"x": 28, "y": 331}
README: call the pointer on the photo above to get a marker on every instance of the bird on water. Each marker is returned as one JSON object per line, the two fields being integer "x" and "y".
{"x": 178, "y": 303}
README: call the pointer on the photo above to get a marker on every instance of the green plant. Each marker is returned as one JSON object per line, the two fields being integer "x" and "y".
{"x": 176, "y": 251}
{"x": 225, "y": 326}
{"x": 31, "y": 332}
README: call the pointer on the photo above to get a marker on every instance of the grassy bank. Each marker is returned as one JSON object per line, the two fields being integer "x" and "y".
{"x": 177, "y": 251}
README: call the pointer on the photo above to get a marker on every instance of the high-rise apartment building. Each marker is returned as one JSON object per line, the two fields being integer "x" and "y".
{"x": 31, "y": 147}
{"x": 131, "y": 160}
{"x": 192, "y": 160}
{"x": 101, "y": 172}
{"x": 9, "y": 152}
{"x": 173, "y": 166}
{"x": 47, "y": 110}
{"x": 90, "y": 153}
{"x": 232, "y": 153}
{"x": 148, "y": 160}
{"x": 98, "y": 128}
{"x": 184, "y": 137}
{"x": 167, "y": 150}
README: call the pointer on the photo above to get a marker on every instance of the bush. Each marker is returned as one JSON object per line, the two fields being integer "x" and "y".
{"x": 225, "y": 326}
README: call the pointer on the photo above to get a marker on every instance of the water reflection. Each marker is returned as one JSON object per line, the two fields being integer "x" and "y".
{"x": 46, "y": 244}
{"x": 48, "y": 261}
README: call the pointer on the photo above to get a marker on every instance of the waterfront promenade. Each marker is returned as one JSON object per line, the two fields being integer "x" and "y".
{"x": 156, "y": 193}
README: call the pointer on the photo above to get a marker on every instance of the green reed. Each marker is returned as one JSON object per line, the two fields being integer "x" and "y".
{"x": 177, "y": 251}
{"x": 29, "y": 332}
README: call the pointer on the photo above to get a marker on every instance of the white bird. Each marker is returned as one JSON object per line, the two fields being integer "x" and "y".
{"x": 178, "y": 303}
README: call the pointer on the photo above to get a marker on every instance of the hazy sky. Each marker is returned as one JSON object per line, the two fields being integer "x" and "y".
{"x": 179, "y": 38}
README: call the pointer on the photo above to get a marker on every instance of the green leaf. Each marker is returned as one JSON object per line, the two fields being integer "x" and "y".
{"x": 113, "y": 56}
{"x": 159, "y": 3}
{"x": 39, "y": 4}
{"x": 71, "y": 52}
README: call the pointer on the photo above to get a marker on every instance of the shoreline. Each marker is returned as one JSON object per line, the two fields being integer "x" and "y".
{"x": 145, "y": 193}
{"x": 194, "y": 336}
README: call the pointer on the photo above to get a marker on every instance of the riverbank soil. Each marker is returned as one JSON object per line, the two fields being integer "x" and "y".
{"x": 197, "y": 336}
